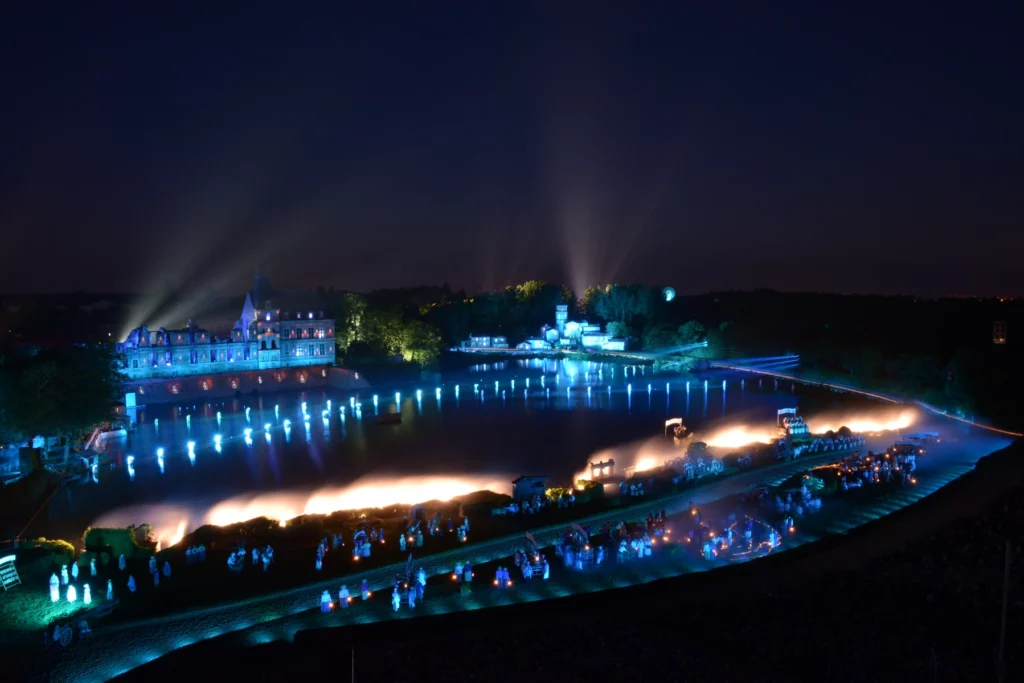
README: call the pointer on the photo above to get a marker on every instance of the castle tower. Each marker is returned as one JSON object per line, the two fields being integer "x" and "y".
{"x": 561, "y": 317}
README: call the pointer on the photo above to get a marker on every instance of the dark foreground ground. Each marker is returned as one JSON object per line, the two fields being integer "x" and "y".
{"x": 915, "y": 596}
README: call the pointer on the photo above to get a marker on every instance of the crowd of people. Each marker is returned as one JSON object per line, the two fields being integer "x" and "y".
{"x": 933, "y": 610}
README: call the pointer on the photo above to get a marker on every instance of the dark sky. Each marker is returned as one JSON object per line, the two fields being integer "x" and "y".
{"x": 486, "y": 143}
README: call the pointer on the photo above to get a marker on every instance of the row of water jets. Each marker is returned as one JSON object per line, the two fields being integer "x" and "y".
{"x": 356, "y": 408}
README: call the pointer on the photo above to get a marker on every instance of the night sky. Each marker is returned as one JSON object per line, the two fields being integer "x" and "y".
{"x": 488, "y": 143}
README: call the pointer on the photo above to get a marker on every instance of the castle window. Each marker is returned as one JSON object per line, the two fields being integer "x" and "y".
{"x": 273, "y": 344}
{"x": 135, "y": 363}
{"x": 245, "y": 353}
{"x": 263, "y": 345}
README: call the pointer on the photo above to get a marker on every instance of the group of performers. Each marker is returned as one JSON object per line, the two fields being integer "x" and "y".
{"x": 884, "y": 468}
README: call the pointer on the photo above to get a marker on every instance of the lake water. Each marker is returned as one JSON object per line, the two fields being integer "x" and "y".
{"x": 545, "y": 417}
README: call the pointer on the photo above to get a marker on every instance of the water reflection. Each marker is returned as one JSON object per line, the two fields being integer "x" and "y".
{"x": 473, "y": 436}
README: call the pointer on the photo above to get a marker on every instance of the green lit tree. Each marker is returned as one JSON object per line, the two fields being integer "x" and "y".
{"x": 691, "y": 332}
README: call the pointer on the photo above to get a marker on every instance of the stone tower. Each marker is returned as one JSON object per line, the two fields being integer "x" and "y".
{"x": 561, "y": 317}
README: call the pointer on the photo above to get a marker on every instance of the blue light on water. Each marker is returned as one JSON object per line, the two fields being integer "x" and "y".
{"x": 398, "y": 397}
{"x": 437, "y": 393}
{"x": 513, "y": 385}
{"x": 527, "y": 382}
{"x": 218, "y": 417}
{"x": 375, "y": 400}
{"x": 419, "y": 395}
{"x": 131, "y": 467}
{"x": 648, "y": 388}
{"x": 666, "y": 386}
{"x": 629, "y": 389}
{"x": 156, "y": 422}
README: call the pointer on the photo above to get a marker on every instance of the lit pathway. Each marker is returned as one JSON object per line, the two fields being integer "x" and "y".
{"x": 870, "y": 394}
{"x": 122, "y": 647}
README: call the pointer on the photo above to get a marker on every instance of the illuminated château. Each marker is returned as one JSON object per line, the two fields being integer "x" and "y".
{"x": 276, "y": 330}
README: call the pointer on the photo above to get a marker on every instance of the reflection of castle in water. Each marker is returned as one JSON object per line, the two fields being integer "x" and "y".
{"x": 275, "y": 330}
